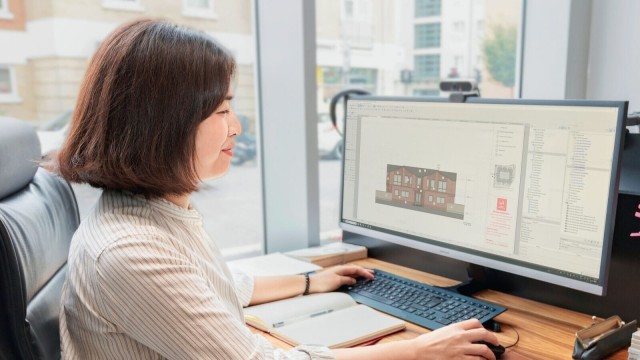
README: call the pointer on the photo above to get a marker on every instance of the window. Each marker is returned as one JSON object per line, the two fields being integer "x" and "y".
{"x": 427, "y": 36}
{"x": 396, "y": 179}
{"x": 427, "y": 67}
{"x": 430, "y": 198}
{"x": 419, "y": 182}
{"x": 426, "y": 8}
{"x": 348, "y": 9}
{"x": 440, "y": 200}
{"x": 405, "y": 194}
{"x": 395, "y": 192}
{"x": 407, "y": 180}
{"x": 459, "y": 30}
{"x": 399, "y": 48}
{"x": 199, "y": 8}
{"x": 442, "y": 186}
{"x": 8, "y": 87}
{"x": 40, "y": 89}
{"x": 125, "y": 5}
{"x": 433, "y": 184}
{"x": 5, "y": 13}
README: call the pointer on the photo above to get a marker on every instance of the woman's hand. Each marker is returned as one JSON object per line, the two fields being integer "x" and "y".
{"x": 334, "y": 277}
{"x": 455, "y": 341}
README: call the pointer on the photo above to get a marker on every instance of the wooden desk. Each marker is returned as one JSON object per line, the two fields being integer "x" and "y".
{"x": 546, "y": 332}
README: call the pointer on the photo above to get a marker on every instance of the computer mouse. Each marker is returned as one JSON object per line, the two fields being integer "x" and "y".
{"x": 497, "y": 350}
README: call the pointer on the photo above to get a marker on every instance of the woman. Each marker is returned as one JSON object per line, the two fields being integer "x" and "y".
{"x": 153, "y": 119}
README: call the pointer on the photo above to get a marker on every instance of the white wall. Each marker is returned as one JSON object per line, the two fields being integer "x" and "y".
{"x": 614, "y": 54}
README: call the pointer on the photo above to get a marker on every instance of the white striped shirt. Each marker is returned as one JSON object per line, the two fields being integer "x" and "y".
{"x": 145, "y": 282}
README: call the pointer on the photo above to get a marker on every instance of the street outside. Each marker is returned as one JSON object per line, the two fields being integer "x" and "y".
{"x": 231, "y": 206}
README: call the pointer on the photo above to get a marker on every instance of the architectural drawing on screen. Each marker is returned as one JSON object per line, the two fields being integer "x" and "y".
{"x": 426, "y": 190}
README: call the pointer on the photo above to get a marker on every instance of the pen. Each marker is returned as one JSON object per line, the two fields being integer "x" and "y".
{"x": 298, "y": 318}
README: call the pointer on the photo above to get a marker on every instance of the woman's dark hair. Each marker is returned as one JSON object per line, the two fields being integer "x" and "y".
{"x": 147, "y": 89}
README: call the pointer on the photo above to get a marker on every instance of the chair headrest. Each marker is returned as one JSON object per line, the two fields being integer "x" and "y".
{"x": 19, "y": 155}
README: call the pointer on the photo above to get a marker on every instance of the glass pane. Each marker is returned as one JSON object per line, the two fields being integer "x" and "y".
{"x": 199, "y": 4}
{"x": 427, "y": 36}
{"x": 426, "y": 8}
{"x": 5, "y": 81}
{"x": 405, "y": 48}
{"x": 231, "y": 205}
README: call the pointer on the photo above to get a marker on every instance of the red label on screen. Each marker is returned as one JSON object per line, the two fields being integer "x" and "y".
{"x": 502, "y": 204}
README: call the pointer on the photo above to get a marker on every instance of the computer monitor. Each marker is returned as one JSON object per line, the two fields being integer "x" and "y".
{"x": 527, "y": 187}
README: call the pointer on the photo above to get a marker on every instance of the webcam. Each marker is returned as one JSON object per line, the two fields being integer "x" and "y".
{"x": 458, "y": 85}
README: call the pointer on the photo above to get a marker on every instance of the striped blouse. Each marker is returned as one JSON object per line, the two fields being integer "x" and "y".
{"x": 145, "y": 282}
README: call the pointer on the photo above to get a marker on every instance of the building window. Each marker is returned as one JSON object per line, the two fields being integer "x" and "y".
{"x": 440, "y": 200}
{"x": 405, "y": 194}
{"x": 8, "y": 86}
{"x": 426, "y": 8}
{"x": 125, "y": 5}
{"x": 407, "y": 180}
{"x": 430, "y": 198}
{"x": 427, "y": 67}
{"x": 199, "y": 8}
{"x": 396, "y": 179}
{"x": 395, "y": 192}
{"x": 348, "y": 9}
{"x": 442, "y": 186}
{"x": 427, "y": 36}
{"x": 419, "y": 182}
{"x": 433, "y": 184}
{"x": 5, "y": 13}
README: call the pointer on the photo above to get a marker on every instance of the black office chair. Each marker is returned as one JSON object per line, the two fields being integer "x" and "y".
{"x": 38, "y": 216}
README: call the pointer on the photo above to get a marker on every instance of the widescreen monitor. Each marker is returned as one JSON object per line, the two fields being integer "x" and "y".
{"x": 523, "y": 186}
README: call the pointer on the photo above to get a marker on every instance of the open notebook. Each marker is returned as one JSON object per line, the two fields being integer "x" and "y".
{"x": 331, "y": 319}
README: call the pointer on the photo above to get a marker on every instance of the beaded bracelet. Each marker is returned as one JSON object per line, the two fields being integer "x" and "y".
{"x": 307, "y": 282}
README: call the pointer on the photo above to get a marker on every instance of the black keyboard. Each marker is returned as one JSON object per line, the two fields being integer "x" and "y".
{"x": 428, "y": 306}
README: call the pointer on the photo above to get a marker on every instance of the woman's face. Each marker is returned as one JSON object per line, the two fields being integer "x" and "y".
{"x": 215, "y": 141}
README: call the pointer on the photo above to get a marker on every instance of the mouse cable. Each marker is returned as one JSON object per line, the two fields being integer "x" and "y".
{"x": 517, "y": 336}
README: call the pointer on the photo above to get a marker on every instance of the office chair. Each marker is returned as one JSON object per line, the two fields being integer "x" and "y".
{"x": 38, "y": 216}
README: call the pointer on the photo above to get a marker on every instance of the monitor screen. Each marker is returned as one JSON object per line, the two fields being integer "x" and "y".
{"x": 523, "y": 186}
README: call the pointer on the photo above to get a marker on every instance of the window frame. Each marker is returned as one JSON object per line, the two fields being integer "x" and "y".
{"x": 428, "y": 75}
{"x": 425, "y": 35}
{"x": 430, "y": 4}
{"x": 203, "y": 13}
{"x": 306, "y": 231}
{"x": 12, "y": 96}
{"x": 123, "y": 5}
{"x": 5, "y": 10}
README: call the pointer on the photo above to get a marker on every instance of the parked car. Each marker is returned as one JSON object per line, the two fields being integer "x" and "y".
{"x": 329, "y": 140}
{"x": 53, "y": 132}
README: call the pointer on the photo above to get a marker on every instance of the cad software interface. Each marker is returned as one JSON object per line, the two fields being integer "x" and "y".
{"x": 525, "y": 184}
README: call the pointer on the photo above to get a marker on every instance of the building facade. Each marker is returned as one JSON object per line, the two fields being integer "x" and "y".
{"x": 421, "y": 189}
{"x": 47, "y": 45}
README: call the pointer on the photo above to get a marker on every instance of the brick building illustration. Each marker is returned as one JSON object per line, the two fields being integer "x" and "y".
{"x": 420, "y": 189}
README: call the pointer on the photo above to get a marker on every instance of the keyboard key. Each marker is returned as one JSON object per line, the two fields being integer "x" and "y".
{"x": 376, "y": 297}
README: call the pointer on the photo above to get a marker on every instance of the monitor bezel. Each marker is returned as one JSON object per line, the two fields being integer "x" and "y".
{"x": 511, "y": 267}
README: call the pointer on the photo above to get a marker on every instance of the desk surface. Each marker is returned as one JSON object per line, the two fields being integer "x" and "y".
{"x": 546, "y": 332}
